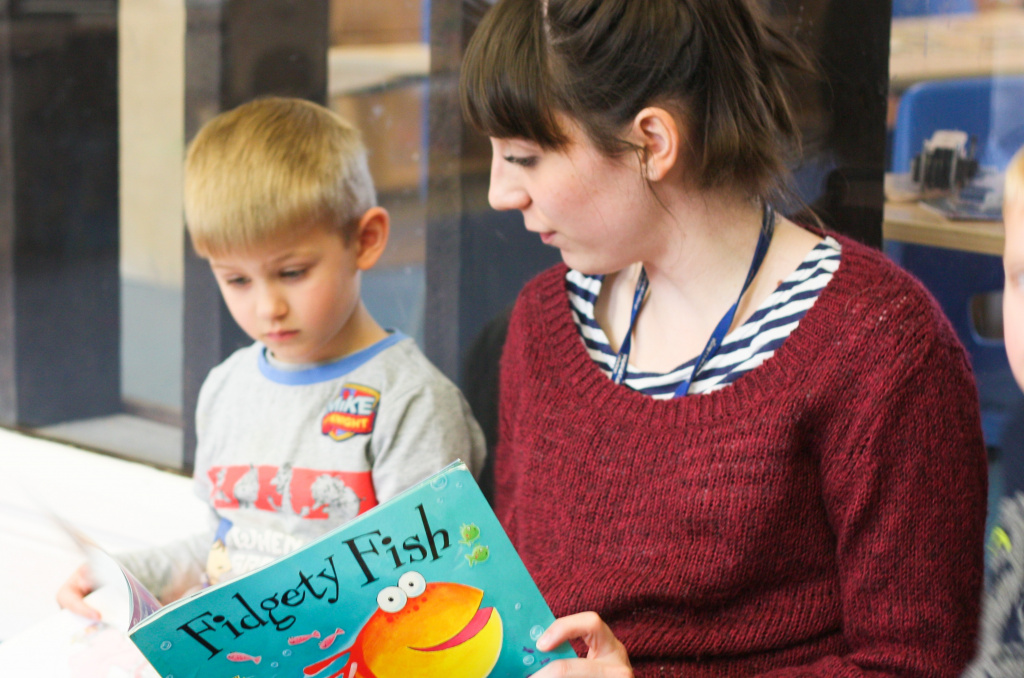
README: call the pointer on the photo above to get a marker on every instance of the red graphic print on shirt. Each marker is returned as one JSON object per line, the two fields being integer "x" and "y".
{"x": 309, "y": 493}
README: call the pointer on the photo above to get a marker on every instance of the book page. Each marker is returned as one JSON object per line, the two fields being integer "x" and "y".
{"x": 66, "y": 645}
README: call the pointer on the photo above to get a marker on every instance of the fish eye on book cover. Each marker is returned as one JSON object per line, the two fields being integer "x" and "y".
{"x": 393, "y": 598}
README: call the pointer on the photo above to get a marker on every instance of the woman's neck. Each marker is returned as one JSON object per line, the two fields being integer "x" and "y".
{"x": 708, "y": 250}
{"x": 697, "y": 248}
{"x": 696, "y": 270}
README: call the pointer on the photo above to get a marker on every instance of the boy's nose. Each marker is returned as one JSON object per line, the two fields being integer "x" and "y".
{"x": 271, "y": 304}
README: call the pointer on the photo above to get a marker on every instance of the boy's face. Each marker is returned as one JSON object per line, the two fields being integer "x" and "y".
{"x": 297, "y": 294}
{"x": 1013, "y": 294}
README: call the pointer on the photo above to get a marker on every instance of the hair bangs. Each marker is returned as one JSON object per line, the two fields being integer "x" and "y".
{"x": 246, "y": 225}
{"x": 503, "y": 85}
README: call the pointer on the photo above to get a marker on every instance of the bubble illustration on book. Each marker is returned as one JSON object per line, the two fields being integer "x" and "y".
{"x": 530, "y": 659}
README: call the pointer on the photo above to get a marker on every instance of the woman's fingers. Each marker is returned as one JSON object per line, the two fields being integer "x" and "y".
{"x": 606, "y": 656}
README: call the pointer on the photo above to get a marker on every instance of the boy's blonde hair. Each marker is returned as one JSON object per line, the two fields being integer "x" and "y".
{"x": 269, "y": 166}
{"x": 1013, "y": 193}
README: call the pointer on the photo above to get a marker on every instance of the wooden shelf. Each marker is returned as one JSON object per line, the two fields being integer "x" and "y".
{"x": 943, "y": 46}
{"x": 909, "y": 222}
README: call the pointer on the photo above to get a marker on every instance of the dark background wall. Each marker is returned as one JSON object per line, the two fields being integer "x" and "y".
{"x": 59, "y": 287}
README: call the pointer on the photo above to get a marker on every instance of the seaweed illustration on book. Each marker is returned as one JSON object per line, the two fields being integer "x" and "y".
{"x": 390, "y": 594}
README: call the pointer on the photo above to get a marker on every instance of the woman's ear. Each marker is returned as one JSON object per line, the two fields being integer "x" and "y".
{"x": 658, "y": 132}
{"x": 371, "y": 237}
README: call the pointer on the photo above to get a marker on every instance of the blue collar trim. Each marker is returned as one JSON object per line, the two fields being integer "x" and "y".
{"x": 326, "y": 371}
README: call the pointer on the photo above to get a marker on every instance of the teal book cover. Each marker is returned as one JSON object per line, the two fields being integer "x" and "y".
{"x": 426, "y": 584}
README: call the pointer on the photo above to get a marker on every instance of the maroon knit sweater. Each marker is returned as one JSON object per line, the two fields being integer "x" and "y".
{"x": 821, "y": 516}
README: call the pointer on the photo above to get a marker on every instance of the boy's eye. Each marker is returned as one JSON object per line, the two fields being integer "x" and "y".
{"x": 293, "y": 273}
{"x": 522, "y": 161}
{"x": 236, "y": 281}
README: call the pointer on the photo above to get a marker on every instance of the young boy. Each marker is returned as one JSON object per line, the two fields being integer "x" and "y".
{"x": 1001, "y": 642}
{"x": 326, "y": 414}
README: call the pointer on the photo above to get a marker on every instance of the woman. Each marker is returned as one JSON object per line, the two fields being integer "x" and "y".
{"x": 747, "y": 446}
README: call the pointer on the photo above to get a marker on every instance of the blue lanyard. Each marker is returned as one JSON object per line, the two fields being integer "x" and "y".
{"x": 715, "y": 342}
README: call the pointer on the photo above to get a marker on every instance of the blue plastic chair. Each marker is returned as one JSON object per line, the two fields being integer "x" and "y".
{"x": 924, "y": 7}
{"x": 990, "y": 110}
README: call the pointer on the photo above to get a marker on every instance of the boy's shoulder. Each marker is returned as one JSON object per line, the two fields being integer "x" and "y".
{"x": 242, "y": 360}
{"x": 404, "y": 367}
{"x": 1001, "y": 642}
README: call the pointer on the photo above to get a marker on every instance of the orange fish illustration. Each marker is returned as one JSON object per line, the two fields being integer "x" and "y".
{"x": 430, "y": 630}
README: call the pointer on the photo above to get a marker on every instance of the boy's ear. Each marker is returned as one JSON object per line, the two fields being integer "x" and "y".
{"x": 658, "y": 132}
{"x": 371, "y": 237}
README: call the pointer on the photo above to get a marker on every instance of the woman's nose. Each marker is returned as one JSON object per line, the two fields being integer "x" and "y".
{"x": 506, "y": 191}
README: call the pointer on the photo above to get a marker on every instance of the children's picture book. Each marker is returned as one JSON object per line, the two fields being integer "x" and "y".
{"x": 426, "y": 584}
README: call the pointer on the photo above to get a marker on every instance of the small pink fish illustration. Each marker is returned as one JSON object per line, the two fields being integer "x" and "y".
{"x": 329, "y": 640}
{"x": 296, "y": 640}
{"x": 242, "y": 657}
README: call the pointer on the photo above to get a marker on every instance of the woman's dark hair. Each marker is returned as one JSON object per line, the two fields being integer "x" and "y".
{"x": 717, "y": 63}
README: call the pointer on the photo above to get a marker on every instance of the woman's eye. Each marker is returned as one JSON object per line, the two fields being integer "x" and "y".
{"x": 522, "y": 161}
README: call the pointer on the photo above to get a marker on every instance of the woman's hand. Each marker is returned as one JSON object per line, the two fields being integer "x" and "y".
{"x": 606, "y": 656}
{"x": 71, "y": 595}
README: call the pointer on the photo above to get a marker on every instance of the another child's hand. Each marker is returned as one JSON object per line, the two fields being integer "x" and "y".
{"x": 606, "y": 656}
{"x": 71, "y": 595}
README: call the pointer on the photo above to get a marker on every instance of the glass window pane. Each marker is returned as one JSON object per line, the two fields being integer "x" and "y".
{"x": 130, "y": 56}
{"x": 378, "y": 69}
